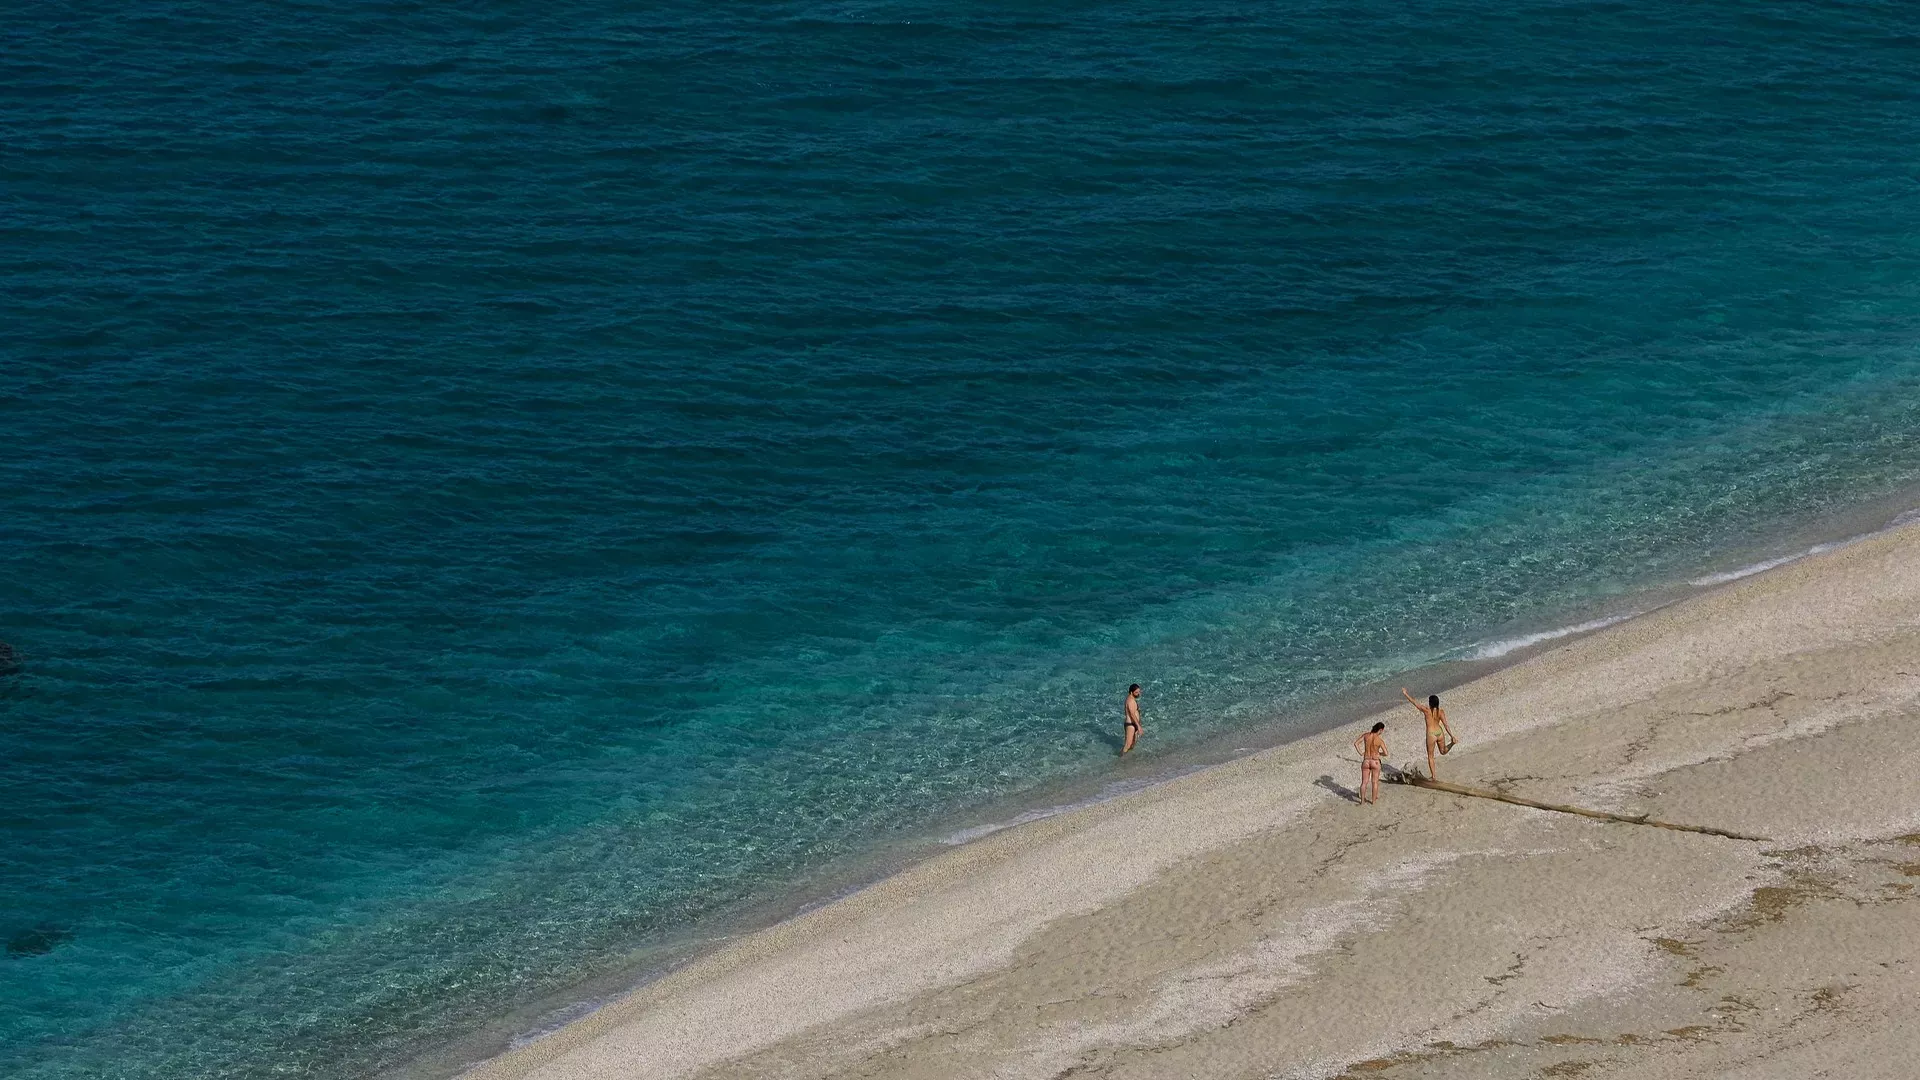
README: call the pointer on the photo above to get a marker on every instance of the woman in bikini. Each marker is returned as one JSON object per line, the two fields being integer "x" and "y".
{"x": 1437, "y": 729}
{"x": 1372, "y": 748}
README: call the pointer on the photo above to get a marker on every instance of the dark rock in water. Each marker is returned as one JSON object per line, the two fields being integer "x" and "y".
{"x": 37, "y": 941}
{"x": 9, "y": 660}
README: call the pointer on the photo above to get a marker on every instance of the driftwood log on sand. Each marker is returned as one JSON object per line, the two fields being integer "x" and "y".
{"x": 1414, "y": 778}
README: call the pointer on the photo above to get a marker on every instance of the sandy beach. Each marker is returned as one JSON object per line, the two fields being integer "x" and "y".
{"x": 1251, "y": 920}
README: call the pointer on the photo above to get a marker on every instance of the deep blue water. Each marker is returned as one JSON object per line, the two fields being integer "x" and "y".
{"x": 490, "y": 485}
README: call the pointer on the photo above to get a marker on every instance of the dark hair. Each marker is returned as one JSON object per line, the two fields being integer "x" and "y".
{"x": 1380, "y": 725}
{"x": 1433, "y": 701}
{"x": 1132, "y": 688}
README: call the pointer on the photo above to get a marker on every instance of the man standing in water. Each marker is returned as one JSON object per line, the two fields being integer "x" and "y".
{"x": 1133, "y": 716}
{"x": 1439, "y": 735}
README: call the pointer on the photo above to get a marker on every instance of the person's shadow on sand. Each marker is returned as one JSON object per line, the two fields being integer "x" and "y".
{"x": 1337, "y": 788}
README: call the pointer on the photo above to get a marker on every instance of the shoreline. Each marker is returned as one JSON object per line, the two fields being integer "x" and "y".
{"x": 991, "y": 938}
{"x": 1075, "y": 797}
{"x": 847, "y": 878}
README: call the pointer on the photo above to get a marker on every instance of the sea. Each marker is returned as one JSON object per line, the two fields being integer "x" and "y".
{"x": 498, "y": 495}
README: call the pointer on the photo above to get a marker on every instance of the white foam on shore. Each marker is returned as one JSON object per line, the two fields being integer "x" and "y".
{"x": 558, "y": 1019}
{"x": 1901, "y": 520}
{"x": 1818, "y": 549}
{"x": 1107, "y": 793}
{"x": 1495, "y": 649}
{"x": 978, "y": 831}
{"x": 1761, "y": 567}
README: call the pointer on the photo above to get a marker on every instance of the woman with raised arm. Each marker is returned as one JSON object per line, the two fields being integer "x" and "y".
{"x": 1437, "y": 729}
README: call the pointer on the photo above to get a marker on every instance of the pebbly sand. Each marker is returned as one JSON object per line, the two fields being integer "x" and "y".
{"x": 1251, "y": 921}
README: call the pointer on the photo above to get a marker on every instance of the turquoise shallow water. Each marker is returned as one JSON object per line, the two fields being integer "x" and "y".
{"x": 494, "y": 487}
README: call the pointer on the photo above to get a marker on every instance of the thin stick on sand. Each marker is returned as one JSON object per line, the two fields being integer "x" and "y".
{"x": 1413, "y": 778}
